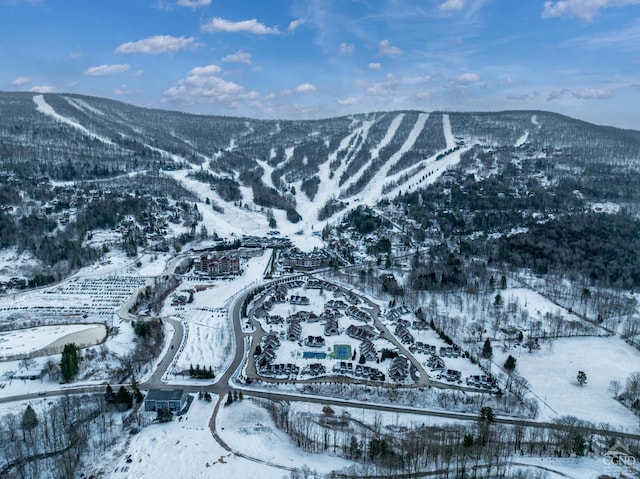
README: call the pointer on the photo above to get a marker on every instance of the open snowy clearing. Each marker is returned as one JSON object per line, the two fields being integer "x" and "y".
{"x": 195, "y": 454}
{"x": 246, "y": 427}
{"x": 27, "y": 341}
{"x": 552, "y": 372}
{"x": 95, "y": 371}
{"x": 208, "y": 343}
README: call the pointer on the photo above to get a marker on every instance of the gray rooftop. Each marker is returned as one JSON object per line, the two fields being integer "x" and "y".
{"x": 165, "y": 395}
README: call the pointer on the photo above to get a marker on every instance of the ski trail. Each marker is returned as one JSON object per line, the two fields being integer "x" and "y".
{"x": 522, "y": 140}
{"x": 431, "y": 170}
{"x": 83, "y": 106}
{"x": 375, "y": 152}
{"x": 363, "y": 131}
{"x": 328, "y": 187}
{"x": 266, "y": 177}
{"x": 43, "y": 107}
{"x": 448, "y": 134}
{"x": 373, "y": 190}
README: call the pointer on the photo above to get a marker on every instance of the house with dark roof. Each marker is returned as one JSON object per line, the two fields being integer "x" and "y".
{"x": 314, "y": 341}
{"x": 294, "y": 330}
{"x": 368, "y": 350}
{"x": 331, "y": 327}
{"x": 361, "y": 332}
{"x": 436, "y": 363}
{"x": 166, "y": 400}
{"x": 403, "y": 334}
{"x": 399, "y": 369}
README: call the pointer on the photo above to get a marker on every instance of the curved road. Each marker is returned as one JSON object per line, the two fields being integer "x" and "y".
{"x": 224, "y": 383}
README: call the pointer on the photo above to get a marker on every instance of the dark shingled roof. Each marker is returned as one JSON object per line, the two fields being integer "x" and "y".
{"x": 165, "y": 395}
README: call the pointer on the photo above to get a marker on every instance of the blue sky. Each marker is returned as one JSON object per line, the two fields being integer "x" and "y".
{"x": 321, "y": 58}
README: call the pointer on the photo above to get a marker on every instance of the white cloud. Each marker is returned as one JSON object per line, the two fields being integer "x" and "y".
{"x": 346, "y": 48}
{"x": 387, "y": 49}
{"x": 581, "y": 94}
{"x": 352, "y": 100}
{"x": 467, "y": 78}
{"x": 194, "y": 3}
{"x": 302, "y": 88}
{"x": 305, "y": 88}
{"x": 106, "y": 70}
{"x": 159, "y": 44}
{"x": 452, "y": 5}
{"x": 382, "y": 89}
{"x": 43, "y": 89}
{"x": 20, "y": 81}
{"x": 75, "y": 55}
{"x": 584, "y": 10}
{"x": 375, "y": 66}
{"x": 203, "y": 84}
{"x": 293, "y": 26}
{"x": 205, "y": 71}
{"x": 238, "y": 57}
{"x": 138, "y": 73}
{"x": 218, "y": 24}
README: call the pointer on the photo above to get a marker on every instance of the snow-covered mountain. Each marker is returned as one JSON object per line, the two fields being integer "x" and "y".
{"x": 310, "y": 169}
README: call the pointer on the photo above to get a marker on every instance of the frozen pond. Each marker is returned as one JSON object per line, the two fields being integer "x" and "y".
{"x": 44, "y": 339}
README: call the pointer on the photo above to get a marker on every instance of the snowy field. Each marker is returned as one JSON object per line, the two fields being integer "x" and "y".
{"x": 91, "y": 372}
{"x": 246, "y": 427}
{"x": 187, "y": 449}
{"x": 14, "y": 265}
{"x": 552, "y": 372}
{"x": 26, "y": 341}
{"x": 208, "y": 342}
{"x": 235, "y": 221}
{"x": 209, "y": 337}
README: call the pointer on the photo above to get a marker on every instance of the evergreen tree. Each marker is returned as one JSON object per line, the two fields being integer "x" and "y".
{"x": 124, "y": 398}
{"x": 354, "y": 448}
{"x": 579, "y": 445}
{"x": 487, "y": 350}
{"x": 29, "y": 421}
{"x": 69, "y": 362}
{"x": 109, "y": 395}
{"x": 136, "y": 390}
{"x": 582, "y": 378}
{"x": 164, "y": 415}
{"x": 510, "y": 364}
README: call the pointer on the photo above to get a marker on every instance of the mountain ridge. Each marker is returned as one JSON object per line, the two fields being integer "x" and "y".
{"x": 362, "y": 157}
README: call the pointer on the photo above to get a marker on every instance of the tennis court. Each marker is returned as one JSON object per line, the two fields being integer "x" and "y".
{"x": 341, "y": 352}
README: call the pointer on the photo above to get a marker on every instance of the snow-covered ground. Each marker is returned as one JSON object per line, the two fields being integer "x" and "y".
{"x": 208, "y": 330}
{"x": 43, "y": 107}
{"x": 187, "y": 448}
{"x": 95, "y": 371}
{"x": 14, "y": 265}
{"x": 552, "y": 372}
{"x": 26, "y": 341}
{"x": 246, "y": 427}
